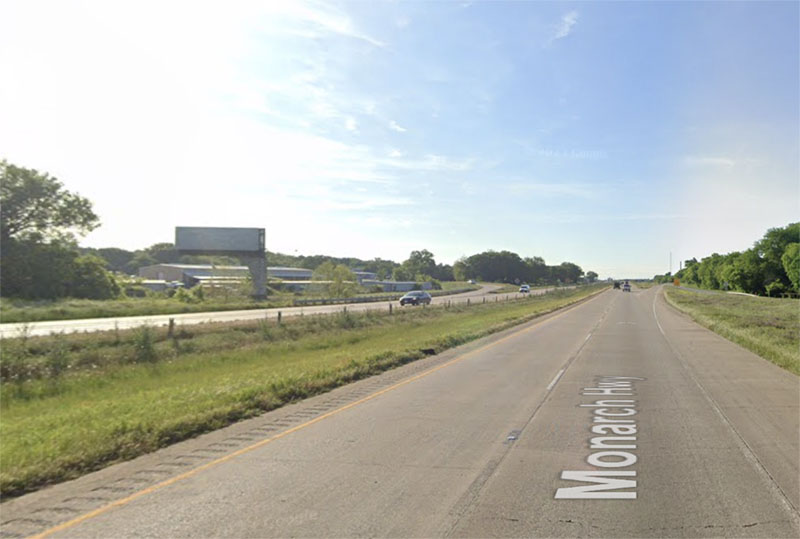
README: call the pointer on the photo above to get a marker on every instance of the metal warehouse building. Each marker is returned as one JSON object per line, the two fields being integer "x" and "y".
{"x": 192, "y": 274}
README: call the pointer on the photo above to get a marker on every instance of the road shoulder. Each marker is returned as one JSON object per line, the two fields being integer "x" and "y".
{"x": 759, "y": 400}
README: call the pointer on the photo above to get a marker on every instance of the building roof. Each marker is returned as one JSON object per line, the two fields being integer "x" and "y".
{"x": 200, "y": 266}
{"x": 215, "y": 278}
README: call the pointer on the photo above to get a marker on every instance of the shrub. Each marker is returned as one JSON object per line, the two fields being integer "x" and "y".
{"x": 57, "y": 361}
{"x": 144, "y": 345}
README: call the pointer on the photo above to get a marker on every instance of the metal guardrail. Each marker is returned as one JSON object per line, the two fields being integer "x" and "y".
{"x": 373, "y": 299}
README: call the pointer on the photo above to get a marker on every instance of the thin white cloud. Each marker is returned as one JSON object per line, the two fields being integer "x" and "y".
{"x": 708, "y": 161}
{"x": 564, "y": 28}
{"x": 568, "y": 218}
{"x": 430, "y": 162}
{"x": 570, "y": 154}
{"x": 350, "y": 124}
{"x": 313, "y": 17}
{"x": 550, "y": 189}
{"x": 394, "y": 126}
{"x": 367, "y": 203}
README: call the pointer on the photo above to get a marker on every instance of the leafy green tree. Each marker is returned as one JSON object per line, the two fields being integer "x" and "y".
{"x": 689, "y": 272}
{"x": 661, "y": 279}
{"x": 402, "y": 273}
{"x": 420, "y": 262}
{"x": 36, "y": 206}
{"x": 382, "y": 268}
{"x": 591, "y": 276}
{"x": 539, "y": 273}
{"x": 568, "y": 272}
{"x": 38, "y": 226}
{"x": 775, "y": 288}
{"x": 707, "y": 271}
{"x": 443, "y": 272}
{"x": 461, "y": 270}
{"x": 91, "y": 280}
{"x": 771, "y": 249}
{"x": 340, "y": 282}
{"x": 791, "y": 264}
{"x": 115, "y": 258}
{"x": 140, "y": 259}
{"x": 164, "y": 253}
{"x": 36, "y": 270}
{"x": 498, "y": 266}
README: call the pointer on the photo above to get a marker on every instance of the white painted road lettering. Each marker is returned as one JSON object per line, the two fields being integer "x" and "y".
{"x": 606, "y": 481}
{"x": 613, "y": 419}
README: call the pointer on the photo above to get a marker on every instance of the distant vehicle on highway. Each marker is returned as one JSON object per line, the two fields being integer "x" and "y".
{"x": 626, "y": 287}
{"x": 471, "y": 281}
{"x": 524, "y": 289}
{"x": 416, "y": 297}
{"x": 616, "y": 284}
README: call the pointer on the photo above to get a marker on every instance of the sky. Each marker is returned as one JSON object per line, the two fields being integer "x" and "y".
{"x": 612, "y": 135}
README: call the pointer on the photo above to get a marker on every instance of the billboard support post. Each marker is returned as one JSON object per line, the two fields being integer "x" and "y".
{"x": 258, "y": 272}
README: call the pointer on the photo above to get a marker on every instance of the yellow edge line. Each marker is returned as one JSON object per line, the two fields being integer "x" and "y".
{"x": 167, "y": 482}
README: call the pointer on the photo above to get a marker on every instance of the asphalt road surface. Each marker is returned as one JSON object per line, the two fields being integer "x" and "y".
{"x": 617, "y": 417}
{"x": 107, "y": 324}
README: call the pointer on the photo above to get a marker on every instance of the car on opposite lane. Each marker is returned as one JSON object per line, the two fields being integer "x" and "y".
{"x": 524, "y": 289}
{"x": 416, "y": 297}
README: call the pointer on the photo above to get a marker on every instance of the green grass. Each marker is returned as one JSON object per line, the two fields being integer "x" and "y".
{"x": 770, "y": 327}
{"x": 506, "y": 288}
{"x": 101, "y": 398}
{"x": 14, "y": 310}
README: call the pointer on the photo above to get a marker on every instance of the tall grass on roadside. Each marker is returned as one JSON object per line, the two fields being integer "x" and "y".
{"x": 125, "y": 393}
{"x": 770, "y": 327}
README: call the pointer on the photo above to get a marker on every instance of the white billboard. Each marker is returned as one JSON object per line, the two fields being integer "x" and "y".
{"x": 211, "y": 240}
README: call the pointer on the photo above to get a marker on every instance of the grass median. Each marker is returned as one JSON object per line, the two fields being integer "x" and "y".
{"x": 770, "y": 327}
{"x": 74, "y": 403}
{"x": 16, "y": 310}
{"x": 21, "y": 310}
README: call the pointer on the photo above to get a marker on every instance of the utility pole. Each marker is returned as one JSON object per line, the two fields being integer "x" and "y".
{"x": 670, "y": 262}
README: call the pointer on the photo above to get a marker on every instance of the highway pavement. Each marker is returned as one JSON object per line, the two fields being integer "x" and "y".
{"x": 617, "y": 417}
{"x": 127, "y": 322}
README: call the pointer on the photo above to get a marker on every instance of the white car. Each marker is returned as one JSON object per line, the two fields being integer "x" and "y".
{"x": 524, "y": 289}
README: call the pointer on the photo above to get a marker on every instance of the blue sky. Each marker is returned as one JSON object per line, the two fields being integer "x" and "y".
{"x": 607, "y": 134}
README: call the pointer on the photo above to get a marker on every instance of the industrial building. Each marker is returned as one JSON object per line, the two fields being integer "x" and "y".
{"x": 192, "y": 274}
{"x": 296, "y": 279}
{"x": 289, "y": 274}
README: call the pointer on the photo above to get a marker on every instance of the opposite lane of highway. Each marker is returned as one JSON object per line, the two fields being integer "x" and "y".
{"x": 33, "y": 329}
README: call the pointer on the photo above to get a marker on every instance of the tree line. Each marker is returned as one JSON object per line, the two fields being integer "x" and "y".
{"x": 771, "y": 267}
{"x": 508, "y": 267}
{"x": 41, "y": 222}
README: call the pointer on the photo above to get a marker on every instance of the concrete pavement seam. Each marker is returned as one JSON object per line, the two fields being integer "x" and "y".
{"x": 466, "y": 502}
